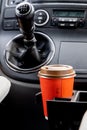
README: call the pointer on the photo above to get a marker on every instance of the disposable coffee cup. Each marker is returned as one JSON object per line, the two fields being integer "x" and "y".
{"x": 56, "y": 81}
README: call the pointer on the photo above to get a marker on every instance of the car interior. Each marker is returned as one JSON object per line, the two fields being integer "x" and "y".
{"x": 33, "y": 34}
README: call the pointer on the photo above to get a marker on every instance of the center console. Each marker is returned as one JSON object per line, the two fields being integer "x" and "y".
{"x": 60, "y": 26}
{"x": 59, "y": 14}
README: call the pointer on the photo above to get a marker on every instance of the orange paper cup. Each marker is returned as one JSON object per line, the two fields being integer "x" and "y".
{"x": 56, "y": 81}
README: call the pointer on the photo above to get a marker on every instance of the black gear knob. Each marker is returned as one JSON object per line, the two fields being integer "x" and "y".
{"x": 25, "y": 15}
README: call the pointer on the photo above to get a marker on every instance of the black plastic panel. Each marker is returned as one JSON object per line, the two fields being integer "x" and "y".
{"x": 75, "y": 54}
{"x": 65, "y": 115}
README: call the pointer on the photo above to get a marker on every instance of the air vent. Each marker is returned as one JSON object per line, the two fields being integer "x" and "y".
{"x": 14, "y": 2}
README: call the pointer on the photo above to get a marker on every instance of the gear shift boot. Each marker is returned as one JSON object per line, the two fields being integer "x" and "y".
{"x": 23, "y": 58}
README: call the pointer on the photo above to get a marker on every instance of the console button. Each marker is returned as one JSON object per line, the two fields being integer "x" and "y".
{"x": 61, "y": 24}
{"x": 72, "y": 25}
{"x": 54, "y": 21}
{"x": 8, "y": 24}
{"x": 41, "y": 17}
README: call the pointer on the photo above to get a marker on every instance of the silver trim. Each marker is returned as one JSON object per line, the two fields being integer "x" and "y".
{"x": 42, "y": 24}
{"x": 34, "y": 69}
{"x": 61, "y": 3}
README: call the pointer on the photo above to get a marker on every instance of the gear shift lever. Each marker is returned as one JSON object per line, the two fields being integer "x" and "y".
{"x": 28, "y": 52}
{"x": 25, "y": 16}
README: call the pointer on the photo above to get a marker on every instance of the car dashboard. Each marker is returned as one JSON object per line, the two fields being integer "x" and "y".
{"x": 61, "y": 34}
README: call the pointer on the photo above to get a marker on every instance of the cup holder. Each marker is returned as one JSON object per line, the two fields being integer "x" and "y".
{"x": 16, "y": 46}
{"x": 66, "y": 114}
{"x": 81, "y": 96}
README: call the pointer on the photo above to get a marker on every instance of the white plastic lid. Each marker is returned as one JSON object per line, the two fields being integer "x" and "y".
{"x": 57, "y": 71}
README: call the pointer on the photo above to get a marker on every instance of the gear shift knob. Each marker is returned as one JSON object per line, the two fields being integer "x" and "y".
{"x": 25, "y": 15}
